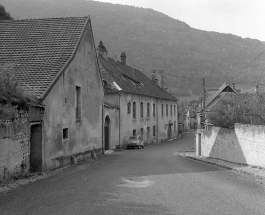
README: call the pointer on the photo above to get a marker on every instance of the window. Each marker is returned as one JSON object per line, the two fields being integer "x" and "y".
{"x": 166, "y": 110}
{"x": 78, "y": 102}
{"x": 154, "y": 110}
{"x": 129, "y": 107}
{"x": 162, "y": 110}
{"x": 174, "y": 125}
{"x": 174, "y": 109}
{"x": 142, "y": 110}
{"x": 148, "y": 132}
{"x": 148, "y": 110}
{"x": 65, "y": 134}
{"x": 134, "y": 110}
{"x": 134, "y": 133}
{"x": 171, "y": 110}
{"x": 142, "y": 133}
{"x": 154, "y": 131}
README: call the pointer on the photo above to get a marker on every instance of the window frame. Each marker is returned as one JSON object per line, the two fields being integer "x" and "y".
{"x": 148, "y": 109}
{"x": 141, "y": 110}
{"x": 129, "y": 107}
{"x": 134, "y": 110}
{"x": 78, "y": 103}
{"x": 65, "y": 128}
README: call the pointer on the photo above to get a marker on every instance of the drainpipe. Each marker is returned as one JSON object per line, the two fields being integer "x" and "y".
{"x": 103, "y": 121}
{"x": 157, "y": 129}
{"x": 119, "y": 95}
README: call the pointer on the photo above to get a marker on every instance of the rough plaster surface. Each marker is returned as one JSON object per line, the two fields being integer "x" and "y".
{"x": 14, "y": 147}
{"x": 60, "y": 108}
{"x": 128, "y": 124}
{"x": 245, "y": 144}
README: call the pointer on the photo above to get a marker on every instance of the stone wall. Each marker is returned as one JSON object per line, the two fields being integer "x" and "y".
{"x": 15, "y": 140}
{"x": 245, "y": 144}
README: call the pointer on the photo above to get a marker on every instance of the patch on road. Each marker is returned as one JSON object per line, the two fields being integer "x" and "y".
{"x": 134, "y": 182}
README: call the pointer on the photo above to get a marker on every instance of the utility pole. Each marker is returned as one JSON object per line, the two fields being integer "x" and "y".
{"x": 203, "y": 103}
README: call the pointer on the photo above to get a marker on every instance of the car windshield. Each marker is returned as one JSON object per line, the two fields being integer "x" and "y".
{"x": 132, "y": 138}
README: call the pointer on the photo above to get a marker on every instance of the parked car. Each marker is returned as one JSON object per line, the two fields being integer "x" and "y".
{"x": 135, "y": 142}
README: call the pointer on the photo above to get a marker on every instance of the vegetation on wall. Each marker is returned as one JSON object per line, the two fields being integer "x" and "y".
{"x": 10, "y": 91}
{"x": 238, "y": 108}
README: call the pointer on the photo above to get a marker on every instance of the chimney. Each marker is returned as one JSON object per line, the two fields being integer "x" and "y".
{"x": 153, "y": 76}
{"x": 123, "y": 58}
{"x": 161, "y": 78}
{"x": 102, "y": 50}
{"x": 257, "y": 89}
{"x": 233, "y": 86}
{"x": 115, "y": 59}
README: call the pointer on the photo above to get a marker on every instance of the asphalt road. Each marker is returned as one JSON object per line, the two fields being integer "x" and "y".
{"x": 154, "y": 180}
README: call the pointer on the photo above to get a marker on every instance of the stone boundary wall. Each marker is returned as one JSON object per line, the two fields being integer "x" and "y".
{"x": 244, "y": 144}
{"x": 15, "y": 140}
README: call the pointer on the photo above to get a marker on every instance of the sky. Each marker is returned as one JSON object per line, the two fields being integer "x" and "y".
{"x": 245, "y": 18}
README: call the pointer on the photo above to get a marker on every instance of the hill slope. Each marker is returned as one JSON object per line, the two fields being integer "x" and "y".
{"x": 153, "y": 40}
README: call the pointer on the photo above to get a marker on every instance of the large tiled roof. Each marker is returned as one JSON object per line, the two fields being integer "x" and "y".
{"x": 38, "y": 49}
{"x": 130, "y": 80}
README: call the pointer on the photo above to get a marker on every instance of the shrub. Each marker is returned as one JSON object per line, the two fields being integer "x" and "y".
{"x": 238, "y": 108}
{"x": 10, "y": 91}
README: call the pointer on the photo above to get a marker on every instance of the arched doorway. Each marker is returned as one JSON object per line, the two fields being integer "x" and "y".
{"x": 107, "y": 133}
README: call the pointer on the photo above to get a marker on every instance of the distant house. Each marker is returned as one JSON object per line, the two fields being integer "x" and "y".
{"x": 213, "y": 97}
{"x": 134, "y": 104}
{"x": 190, "y": 115}
{"x": 55, "y": 59}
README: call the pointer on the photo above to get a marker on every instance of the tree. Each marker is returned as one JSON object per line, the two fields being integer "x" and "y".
{"x": 3, "y": 14}
{"x": 238, "y": 108}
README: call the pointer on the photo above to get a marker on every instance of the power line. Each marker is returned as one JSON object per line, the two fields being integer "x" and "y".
{"x": 249, "y": 64}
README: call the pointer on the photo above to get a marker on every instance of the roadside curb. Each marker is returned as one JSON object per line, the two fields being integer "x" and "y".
{"x": 206, "y": 161}
{"x": 257, "y": 172}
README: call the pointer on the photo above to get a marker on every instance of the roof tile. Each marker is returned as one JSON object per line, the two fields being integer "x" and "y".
{"x": 115, "y": 71}
{"x": 37, "y": 49}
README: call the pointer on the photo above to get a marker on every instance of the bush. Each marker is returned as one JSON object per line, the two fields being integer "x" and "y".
{"x": 10, "y": 91}
{"x": 238, "y": 108}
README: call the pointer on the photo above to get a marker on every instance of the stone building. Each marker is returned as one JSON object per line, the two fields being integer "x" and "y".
{"x": 136, "y": 105}
{"x": 55, "y": 59}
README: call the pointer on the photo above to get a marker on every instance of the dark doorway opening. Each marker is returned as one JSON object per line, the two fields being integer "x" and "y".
{"x": 169, "y": 131}
{"x": 36, "y": 148}
{"x": 107, "y": 133}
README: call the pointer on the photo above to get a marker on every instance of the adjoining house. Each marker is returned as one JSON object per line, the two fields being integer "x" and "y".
{"x": 190, "y": 115}
{"x": 213, "y": 97}
{"x": 134, "y": 104}
{"x": 55, "y": 59}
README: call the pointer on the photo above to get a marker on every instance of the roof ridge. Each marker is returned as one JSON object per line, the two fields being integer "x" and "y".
{"x": 128, "y": 67}
{"x": 48, "y": 18}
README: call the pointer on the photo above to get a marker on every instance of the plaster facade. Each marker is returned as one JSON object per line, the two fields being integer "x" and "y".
{"x": 111, "y": 114}
{"x": 154, "y": 128}
{"x": 78, "y": 89}
{"x": 244, "y": 144}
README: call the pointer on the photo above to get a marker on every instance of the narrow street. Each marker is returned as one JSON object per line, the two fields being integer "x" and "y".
{"x": 154, "y": 180}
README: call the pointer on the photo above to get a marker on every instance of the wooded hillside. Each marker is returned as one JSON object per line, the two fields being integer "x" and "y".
{"x": 153, "y": 40}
